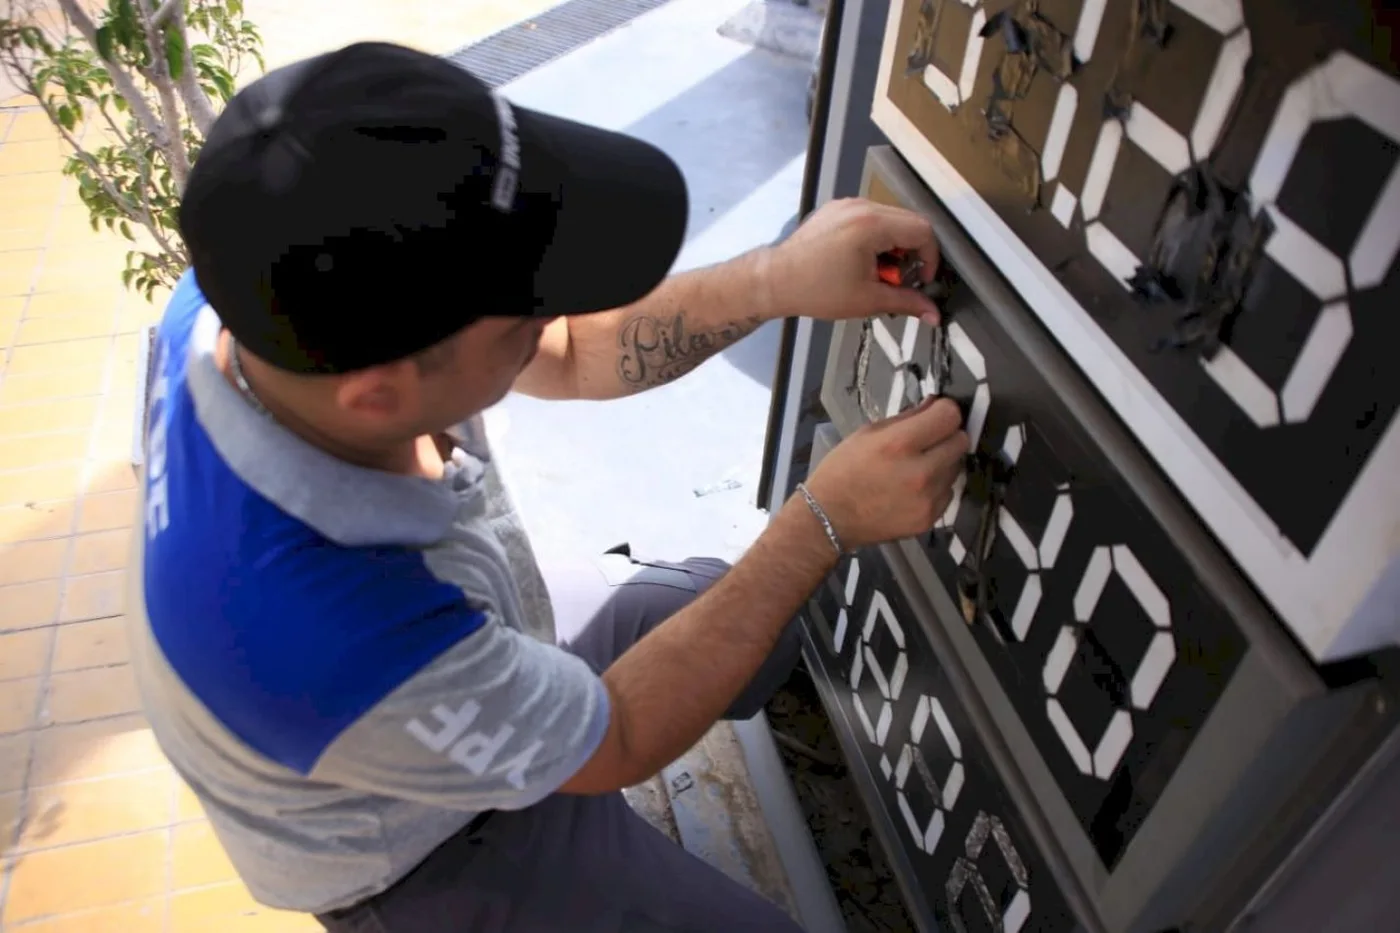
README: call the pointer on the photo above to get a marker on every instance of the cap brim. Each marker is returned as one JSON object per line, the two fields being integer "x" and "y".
{"x": 621, "y": 214}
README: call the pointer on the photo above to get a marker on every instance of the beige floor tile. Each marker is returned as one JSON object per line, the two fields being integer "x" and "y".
{"x": 9, "y": 332}
{"x": 229, "y": 908}
{"x": 113, "y": 474}
{"x": 75, "y": 696}
{"x": 20, "y": 260}
{"x": 138, "y": 314}
{"x": 78, "y": 326}
{"x": 33, "y": 560}
{"x": 112, "y": 439}
{"x": 67, "y": 414}
{"x": 17, "y": 453}
{"x": 19, "y": 192}
{"x": 18, "y": 700}
{"x": 36, "y": 485}
{"x": 72, "y": 226}
{"x": 103, "y": 550}
{"x": 94, "y": 749}
{"x": 32, "y": 124}
{"x": 84, "y": 811}
{"x": 15, "y": 751}
{"x": 78, "y": 275}
{"x": 11, "y": 811}
{"x": 92, "y": 300}
{"x": 63, "y": 355}
{"x": 187, "y": 805}
{"x": 16, "y": 280}
{"x": 37, "y": 520}
{"x": 99, "y": 643}
{"x": 11, "y": 310}
{"x": 12, "y": 238}
{"x": 107, "y": 511}
{"x": 87, "y": 876}
{"x": 28, "y": 157}
{"x": 27, "y": 226}
{"x": 55, "y": 384}
{"x": 95, "y": 596}
{"x": 144, "y": 916}
{"x": 197, "y": 858}
{"x": 25, "y": 654}
{"x": 26, "y": 605}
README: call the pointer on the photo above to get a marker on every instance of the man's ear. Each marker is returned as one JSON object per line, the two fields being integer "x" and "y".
{"x": 384, "y": 392}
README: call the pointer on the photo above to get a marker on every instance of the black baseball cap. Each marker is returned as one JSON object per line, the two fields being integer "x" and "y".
{"x": 357, "y": 207}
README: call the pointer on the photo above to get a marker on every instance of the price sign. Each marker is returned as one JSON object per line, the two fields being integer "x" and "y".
{"x": 968, "y": 846}
{"x": 1134, "y": 678}
{"x": 1200, "y": 199}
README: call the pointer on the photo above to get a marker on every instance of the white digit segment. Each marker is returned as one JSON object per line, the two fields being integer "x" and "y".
{"x": 843, "y": 617}
{"x": 945, "y": 793}
{"x": 976, "y": 365}
{"x": 1035, "y": 557}
{"x": 965, "y": 872}
{"x": 928, "y": 711}
{"x": 1152, "y": 668}
{"x": 900, "y": 353}
{"x": 1333, "y": 598}
{"x": 889, "y": 684}
{"x": 1340, "y": 87}
{"x": 1158, "y": 139}
{"x": 951, "y": 94}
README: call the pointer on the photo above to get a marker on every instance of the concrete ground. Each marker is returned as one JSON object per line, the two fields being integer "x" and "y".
{"x": 96, "y": 831}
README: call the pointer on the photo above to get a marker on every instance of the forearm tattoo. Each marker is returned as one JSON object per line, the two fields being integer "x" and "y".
{"x": 656, "y": 350}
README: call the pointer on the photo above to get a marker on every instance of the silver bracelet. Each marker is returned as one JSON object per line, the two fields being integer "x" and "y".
{"x": 820, "y": 513}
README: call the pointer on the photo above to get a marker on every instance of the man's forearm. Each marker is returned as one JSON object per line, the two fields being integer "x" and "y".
{"x": 686, "y": 320}
{"x": 671, "y": 686}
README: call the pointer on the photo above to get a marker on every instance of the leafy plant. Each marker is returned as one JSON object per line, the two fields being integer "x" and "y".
{"x": 148, "y": 76}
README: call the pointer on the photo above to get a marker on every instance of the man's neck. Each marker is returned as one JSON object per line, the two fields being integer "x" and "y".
{"x": 420, "y": 457}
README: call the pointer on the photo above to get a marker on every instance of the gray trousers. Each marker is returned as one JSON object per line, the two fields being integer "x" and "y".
{"x": 586, "y": 864}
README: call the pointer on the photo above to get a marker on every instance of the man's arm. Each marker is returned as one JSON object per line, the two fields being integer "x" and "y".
{"x": 826, "y": 270}
{"x": 671, "y": 686}
{"x": 687, "y": 319}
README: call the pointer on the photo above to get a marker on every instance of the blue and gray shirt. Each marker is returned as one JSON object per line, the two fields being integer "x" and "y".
{"x": 337, "y": 660}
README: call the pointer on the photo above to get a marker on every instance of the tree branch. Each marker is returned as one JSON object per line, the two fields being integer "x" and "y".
{"x": 126, "y": 86}
{"x": 172, "y": 142}
{"x": 168, "y": 9}
{"x": 196, "y": 101}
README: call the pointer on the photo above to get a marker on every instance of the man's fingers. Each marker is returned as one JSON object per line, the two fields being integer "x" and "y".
{"x": 905, "y": 302}
{"x": 896, "y": 228}
{"x": 928, "y": 424}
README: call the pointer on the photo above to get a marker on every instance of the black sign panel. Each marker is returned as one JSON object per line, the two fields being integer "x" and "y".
{"x": 1150, "y": 718}
{"x": 1216, "y": 184}
{"x": 959, "y": 829}
{"x": 1112, "y": 652}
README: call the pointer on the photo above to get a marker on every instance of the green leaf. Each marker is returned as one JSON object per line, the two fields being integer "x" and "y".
{"x": 235, "y": 7}
{"x": 224, "y": 81}
{"x": 104, "y": 42}
{"x": 126, "y": 231}
{"x": 175, "y": 53}
{"x": 66, "y": 117}
{"x": 120, "y": 103}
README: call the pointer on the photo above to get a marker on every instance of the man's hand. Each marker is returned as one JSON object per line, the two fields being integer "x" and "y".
{"x": 828, "y": 268}
{"x": 894, "y": 478}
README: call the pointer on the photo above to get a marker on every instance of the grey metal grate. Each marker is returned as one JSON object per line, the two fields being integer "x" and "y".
{"x": 521, "y": 48}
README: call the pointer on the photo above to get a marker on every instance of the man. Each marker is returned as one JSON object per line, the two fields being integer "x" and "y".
{"x": 329, "y": 636}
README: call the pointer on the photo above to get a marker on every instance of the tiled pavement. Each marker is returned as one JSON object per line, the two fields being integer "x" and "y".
{"x": 96, "y": 831}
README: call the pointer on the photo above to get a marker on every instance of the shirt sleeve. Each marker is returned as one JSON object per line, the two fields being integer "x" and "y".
{"x": 497, "y": 722}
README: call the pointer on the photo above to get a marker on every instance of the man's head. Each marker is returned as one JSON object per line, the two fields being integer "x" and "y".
{"x": 380, "y": 228}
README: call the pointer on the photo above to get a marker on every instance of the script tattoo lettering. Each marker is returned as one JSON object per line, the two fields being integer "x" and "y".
{"x": 657, "y": 350}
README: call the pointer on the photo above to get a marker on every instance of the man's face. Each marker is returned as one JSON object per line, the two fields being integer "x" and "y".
{"x": 475, "y": 368}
